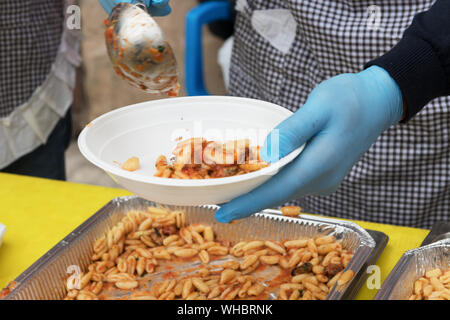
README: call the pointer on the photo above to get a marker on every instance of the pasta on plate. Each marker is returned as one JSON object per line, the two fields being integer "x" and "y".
{"x": 198, "y": 158}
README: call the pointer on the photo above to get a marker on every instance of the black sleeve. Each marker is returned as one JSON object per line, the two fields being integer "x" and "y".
{"x": 420, "y": 62}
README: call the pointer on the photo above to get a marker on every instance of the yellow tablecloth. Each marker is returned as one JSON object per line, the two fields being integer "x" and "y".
{"x": 38, "y": 213}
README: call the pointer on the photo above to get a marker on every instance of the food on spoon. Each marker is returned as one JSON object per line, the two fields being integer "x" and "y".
{"x": 175, "y": 91}
{"x": 198, "y": 158}
{"x": 138, "y": 51}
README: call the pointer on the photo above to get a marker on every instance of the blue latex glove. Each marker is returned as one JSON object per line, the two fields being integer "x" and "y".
{"x": 157, "y": 7}
{"x": 341, "y": 119}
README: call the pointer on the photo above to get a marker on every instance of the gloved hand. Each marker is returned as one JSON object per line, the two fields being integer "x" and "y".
{"x": 157, "y": 7}
{"x": 341, "y": 119}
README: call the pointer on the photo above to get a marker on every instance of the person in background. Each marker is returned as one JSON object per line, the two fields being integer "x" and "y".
{"x": 39, "y": 55}
{"x": 38, "y": 59}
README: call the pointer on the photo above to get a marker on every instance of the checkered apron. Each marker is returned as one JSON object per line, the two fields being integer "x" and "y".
{"x": 39, "y": 54}
{"x": 30, "y": 34}
{"x": 404, "y": 178}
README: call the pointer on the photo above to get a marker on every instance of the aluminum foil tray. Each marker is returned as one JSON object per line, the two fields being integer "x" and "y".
{"x": 44, "y": 279}
{"x": 411, "y": 266}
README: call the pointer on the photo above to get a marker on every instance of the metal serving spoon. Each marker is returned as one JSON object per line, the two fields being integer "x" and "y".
{"x": 138, "y": 50}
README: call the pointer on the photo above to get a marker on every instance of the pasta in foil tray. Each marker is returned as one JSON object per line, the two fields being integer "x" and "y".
{"x": 141, "y": 255}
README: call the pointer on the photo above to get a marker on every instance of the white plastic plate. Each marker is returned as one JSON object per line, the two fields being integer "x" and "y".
{"x": 150, "y": 129}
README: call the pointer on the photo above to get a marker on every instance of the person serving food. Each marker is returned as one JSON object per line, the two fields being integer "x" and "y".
{"x": 377, "y": 140}
{"x": 370, "y": 102}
